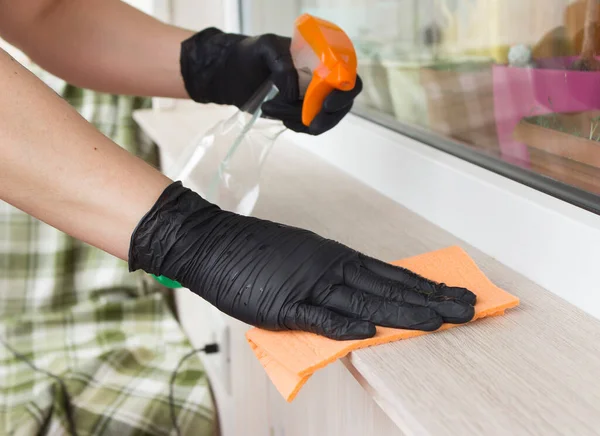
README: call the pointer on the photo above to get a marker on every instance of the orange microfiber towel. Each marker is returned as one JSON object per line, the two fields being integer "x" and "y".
{"x": 291, "y": 357}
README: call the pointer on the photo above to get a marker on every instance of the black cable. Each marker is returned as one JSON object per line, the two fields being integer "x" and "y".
{"x": 67, "y": 399}
{"x": 208, "y": 349}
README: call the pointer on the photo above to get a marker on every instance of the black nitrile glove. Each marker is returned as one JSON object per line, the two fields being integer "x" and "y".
{"x": 278, "y": 277}
{"x": 226, "y": 68}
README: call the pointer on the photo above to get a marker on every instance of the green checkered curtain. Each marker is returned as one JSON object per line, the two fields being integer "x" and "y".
{"x": 76, "y": 312}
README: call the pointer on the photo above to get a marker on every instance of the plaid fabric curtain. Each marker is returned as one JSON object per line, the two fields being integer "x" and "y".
{"x": 77, "y": 312}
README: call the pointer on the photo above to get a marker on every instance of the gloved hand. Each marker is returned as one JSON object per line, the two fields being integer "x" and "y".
{"x": 278, "y": 277}
{"x": 226, "y": 68}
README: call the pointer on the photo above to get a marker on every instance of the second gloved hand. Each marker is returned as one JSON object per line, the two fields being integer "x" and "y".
{"x": 226, "y": 68}
{"x": 279, "y": 277}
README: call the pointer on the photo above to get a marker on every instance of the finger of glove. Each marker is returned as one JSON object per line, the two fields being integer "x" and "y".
{"x": 338, "y": 100}
{"x": 458, "y": 293}
{"x": 296, "y": 126}
{"x": 367, "y": 281}
{"x": 326, "y": 323}
{"x": 411, "y": 280}
{"x": 289, "y": 113}
{"x": 283, "y": 110}
{"x": 368, "y": 307}
{"x": 325, "y": 121}
{"x": 451, "y": 309}
{"x": 276, "y": 54}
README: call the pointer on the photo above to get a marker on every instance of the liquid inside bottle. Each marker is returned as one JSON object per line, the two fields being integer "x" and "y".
{"x": 224, "y": 165}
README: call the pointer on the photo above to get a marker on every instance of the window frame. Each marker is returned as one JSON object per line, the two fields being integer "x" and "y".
{"x": 562, "y": 191}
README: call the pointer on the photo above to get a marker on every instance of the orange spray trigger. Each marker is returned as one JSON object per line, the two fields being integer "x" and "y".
{"x": 325, "y": 59}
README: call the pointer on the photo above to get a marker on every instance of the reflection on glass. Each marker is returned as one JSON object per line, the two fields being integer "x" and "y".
{"x": 514, "y": 79}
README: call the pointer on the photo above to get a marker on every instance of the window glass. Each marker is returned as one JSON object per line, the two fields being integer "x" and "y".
{"x": 512, "y": 85}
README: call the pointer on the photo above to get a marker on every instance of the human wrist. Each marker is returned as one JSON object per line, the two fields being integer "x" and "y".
{"x": 155, "y": 240}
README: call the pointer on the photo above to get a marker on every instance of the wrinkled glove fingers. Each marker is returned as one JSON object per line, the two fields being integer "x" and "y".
{"x": 362, "y": 279}
{"x": 411, "y": 280}
{"x": 452, "y": 311}
{"x": 368, "y": 307}
{"x": 291, "y": 115}
{"x": 326, "y": 323}
{"x": 452, "y": 308}
{"x": 401, "y": 276}
{"x": 283, "y": 110}
{"x": 296, "y": 126}
{"x": 325, "y": 121}
{"x": 457, "y": 293}
{"x": 290, "y": 112}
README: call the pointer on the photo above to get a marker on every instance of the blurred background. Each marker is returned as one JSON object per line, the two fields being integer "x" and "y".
{"x": 512, "y": 86}
{"x": 497, "y": 82}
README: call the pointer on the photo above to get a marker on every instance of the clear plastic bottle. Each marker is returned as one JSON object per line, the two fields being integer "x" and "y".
{"x": 224, "y": 165}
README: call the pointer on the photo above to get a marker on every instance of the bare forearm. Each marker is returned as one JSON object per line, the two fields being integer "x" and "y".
{"x": 105, "y": 45}
{"x": 55, "y": 166}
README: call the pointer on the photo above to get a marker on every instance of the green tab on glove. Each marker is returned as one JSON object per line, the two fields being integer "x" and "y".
{"x": 167, "y": 282}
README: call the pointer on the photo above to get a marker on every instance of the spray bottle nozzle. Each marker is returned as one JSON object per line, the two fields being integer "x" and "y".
{"x": 325, "y": 50}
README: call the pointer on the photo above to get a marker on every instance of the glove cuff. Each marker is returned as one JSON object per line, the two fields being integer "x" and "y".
{"x": 161, "y": 228}
{"x": 202, "y": 59}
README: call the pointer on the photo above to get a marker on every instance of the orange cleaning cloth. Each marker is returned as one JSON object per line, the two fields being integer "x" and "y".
{"x": 291, "y": 357}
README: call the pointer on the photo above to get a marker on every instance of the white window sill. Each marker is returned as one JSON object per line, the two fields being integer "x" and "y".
{"x": 485, "y": 378}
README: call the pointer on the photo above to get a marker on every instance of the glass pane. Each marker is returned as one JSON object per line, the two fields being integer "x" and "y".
{"x": 512, "y": 85}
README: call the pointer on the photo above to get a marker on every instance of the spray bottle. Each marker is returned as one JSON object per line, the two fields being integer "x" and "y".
{"x": 224, "y": 164}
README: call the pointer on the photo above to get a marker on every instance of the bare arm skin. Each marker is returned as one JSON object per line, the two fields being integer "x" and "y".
{"x": 57, "y": 167}
{"x": 105, "y": 45}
